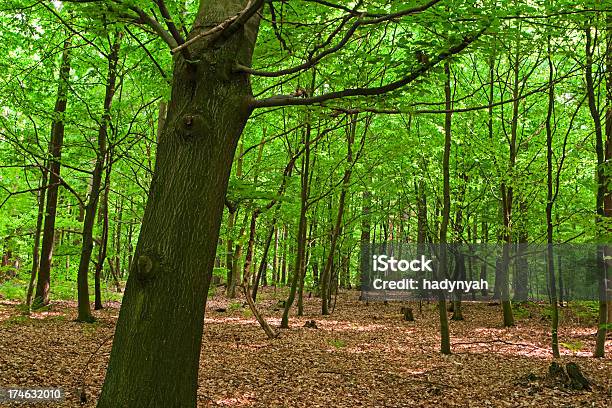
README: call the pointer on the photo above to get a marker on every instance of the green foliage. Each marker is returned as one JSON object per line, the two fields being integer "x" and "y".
{"x": 585, "y": 310}
{"x": 337, "y": 343}
{"x": 520, "y": 311}
{"x": 573, "y": 345}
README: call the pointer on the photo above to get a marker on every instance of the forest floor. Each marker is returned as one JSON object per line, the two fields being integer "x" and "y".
{"x": 363, "y": 355}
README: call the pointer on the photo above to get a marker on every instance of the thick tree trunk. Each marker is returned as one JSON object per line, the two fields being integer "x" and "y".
{"x": 55, "y": 150}
{"x": 604, "y": 155}
{"x": 607, "y": 181}
{"x": 156, "y": 349}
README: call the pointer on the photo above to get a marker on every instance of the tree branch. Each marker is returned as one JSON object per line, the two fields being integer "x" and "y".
{"x": 154, "y": 24}
{"x": 169, "y": 23}
{"x": 227, "y": 27}
{"x": 286, "y": 100}
{"x": 159, "y": 68}
{"x": 311, "y": 61}
{"x": 242, "y": 18}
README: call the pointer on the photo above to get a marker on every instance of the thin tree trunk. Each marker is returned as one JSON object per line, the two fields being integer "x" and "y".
{"x": 43, "y": 283}
{"x": 326, "y": 276}
{"x": 39, "y": 221}
{"x": 301, "y": 242}
{"x": 263, "y": 265}
{"x": 601, "y": 152}
{"x": 550, "y": 261}
{"x": 84, "y": 307}
{"x": 507, "y": 191}
{"x": 103, "y": 240}
{"x": 246, "y": 276}
{"x": 275, "y": 259}
{"x": 444, "y": 330}
{"x": 283, "y": 279}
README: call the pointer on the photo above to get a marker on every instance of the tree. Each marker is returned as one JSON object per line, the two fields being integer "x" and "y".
{"x": 96, "y": 190}
{"x": 43, "y": 283}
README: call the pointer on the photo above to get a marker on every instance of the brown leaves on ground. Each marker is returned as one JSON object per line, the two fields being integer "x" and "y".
{"x": 363, "y": 355}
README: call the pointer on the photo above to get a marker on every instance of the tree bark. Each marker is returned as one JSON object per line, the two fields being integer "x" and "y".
{"x": 507, "y": 191}
{"x": 302, "y": 226}
{"x": 156, "y": 350}
{"x": 103, "y": 240}
{"x": 326, "y": 275}
{"x": 37, "y": 232}
{"x": 604, "y": 154}
{"x": 550, "y": 261}
{"x": 84, "y": 307}
{"x": 263, "y": 264}
{"x": 246, "y": 276}
{"x": 443, "y": 269}
{"x": 56, "y": 142}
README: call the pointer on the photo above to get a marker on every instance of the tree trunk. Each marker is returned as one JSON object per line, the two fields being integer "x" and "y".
{"x": 103, "y": 240}
{"x": 283, "y": 279}
{"x": 116, "y": 269}
{"x": 84, "y": 308}
{"x": 443, "y": 269}
{"x": 507, "y": 191}
{"x": 246, "y": 276}
{"x": 55, "y": 150}
{"x": 604, "y": 153}
{"x": 550, "y": 261}
{"x": 263, "y": 265}
{"x": 36, "y": 250}
{"x": 275, "y": 258}
{"x": 302, "y": 226}
{"x": 156, "y": 350}
{"x": 459, "y": 272}
{"x": 326, "y": 276}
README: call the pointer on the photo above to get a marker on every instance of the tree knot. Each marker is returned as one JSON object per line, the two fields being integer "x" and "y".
{"x": 146, "y": 268}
